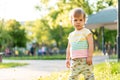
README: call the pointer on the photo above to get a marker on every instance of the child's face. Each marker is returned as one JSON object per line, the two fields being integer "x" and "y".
{"x": 78, "y": 22}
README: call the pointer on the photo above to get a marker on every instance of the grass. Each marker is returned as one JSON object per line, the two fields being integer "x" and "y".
{"x": 8, "y": 65}
{"x": 107, "y": 71}
{"x": 114, "y": 56}
{"x": 103, "y": 71}
{"x": 46, "y": 57}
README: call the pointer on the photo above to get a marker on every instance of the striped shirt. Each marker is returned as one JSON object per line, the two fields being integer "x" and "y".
{"x": 78, "y": 43}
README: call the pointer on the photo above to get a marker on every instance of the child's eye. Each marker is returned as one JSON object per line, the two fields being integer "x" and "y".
{"x": 75, "y": 19}
{"x": 80, "y": 19}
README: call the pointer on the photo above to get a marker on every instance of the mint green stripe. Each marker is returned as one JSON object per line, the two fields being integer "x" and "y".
{"x": 79, "y": 48}
{"x": 79, "y": 45}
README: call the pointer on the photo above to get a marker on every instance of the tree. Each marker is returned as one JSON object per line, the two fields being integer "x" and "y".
{"x": 17, "y": 33}
{"x": 101, "y": 4}
{"x": 60, "y": 13}
{"x": 5, "y": 38}
{"x": 56, "y": 14}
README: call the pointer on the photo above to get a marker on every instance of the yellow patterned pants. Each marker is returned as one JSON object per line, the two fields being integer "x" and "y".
{"x": 79, "y": 66}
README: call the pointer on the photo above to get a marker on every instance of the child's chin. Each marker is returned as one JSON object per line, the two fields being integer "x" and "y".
{"x": 78, "y": 28}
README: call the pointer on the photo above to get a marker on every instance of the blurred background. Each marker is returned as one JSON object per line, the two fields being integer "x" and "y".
{"x": 41, "y": 27}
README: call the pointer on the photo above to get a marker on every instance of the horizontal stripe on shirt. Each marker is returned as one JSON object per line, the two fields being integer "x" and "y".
{"x": 79, "y": 53}
{"x": 79, "y": 45}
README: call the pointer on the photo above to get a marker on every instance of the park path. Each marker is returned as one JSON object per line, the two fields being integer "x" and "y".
{"x": 37, "y": 68}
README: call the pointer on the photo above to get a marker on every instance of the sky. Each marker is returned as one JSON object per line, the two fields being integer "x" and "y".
{"x": 21, "y": 10}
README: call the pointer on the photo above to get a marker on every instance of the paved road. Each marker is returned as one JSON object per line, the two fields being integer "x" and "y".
{"x": 37, "y": 68}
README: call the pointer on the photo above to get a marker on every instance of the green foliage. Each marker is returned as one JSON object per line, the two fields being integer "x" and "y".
{"x": 51, "y": 22}
{"x": 17, "y": 33}
{"x": 109, "y": 70}
{"x": 111, "y": 37}
{"x": 101, "y": 4}
{"x": 5, "y": 38}
{"x": 102, "y": 71}
{"x": 47, "y": 29}
{"x": 115, "y": 68}
{"x": 56, "y": 13}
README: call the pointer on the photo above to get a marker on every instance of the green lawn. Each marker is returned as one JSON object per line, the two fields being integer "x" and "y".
{"x": 113, "y": 56}
{"x": 103, "y": 71}
{"x": 45, "y": 57}
{"x": 8, "y": 65}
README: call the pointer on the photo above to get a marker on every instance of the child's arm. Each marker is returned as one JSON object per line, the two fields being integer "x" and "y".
{"x": 68, "y": 56}
{"x": 90, "y": 49}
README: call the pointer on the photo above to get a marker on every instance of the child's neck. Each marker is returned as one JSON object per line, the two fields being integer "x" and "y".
{"x": 79, "y": 29}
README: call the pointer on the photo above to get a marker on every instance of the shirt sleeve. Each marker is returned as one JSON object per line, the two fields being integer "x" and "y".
{"x": 69, "y": 37}
{"x": 87, "y": 32}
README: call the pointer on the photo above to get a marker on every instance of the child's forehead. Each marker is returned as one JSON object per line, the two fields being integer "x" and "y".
{"x": 77, "y": 14}
{"x": 78, "y": 17}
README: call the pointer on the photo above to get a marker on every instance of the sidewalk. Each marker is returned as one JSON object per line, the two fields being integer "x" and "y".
{"x": 20, "y": 74}
{"x": 37, "y": 68}
{"x": 33, "y": 71}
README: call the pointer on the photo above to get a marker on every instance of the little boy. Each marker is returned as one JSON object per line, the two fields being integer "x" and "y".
{"x": 80, "y": 47}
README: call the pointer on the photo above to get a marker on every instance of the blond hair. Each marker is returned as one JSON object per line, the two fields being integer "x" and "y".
{"x": 76, "y": 12}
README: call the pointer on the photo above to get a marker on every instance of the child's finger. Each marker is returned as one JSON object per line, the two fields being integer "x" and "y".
{"x": 68, "y": 65}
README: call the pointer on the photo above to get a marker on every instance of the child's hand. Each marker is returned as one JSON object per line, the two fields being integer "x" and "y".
{"x": 68, "y": 63}
{"x": 89, "y": 60}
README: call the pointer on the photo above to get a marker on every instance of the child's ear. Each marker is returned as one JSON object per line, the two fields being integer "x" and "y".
{"x": 85, "y": 20}
{"x": 71, "y": 21}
